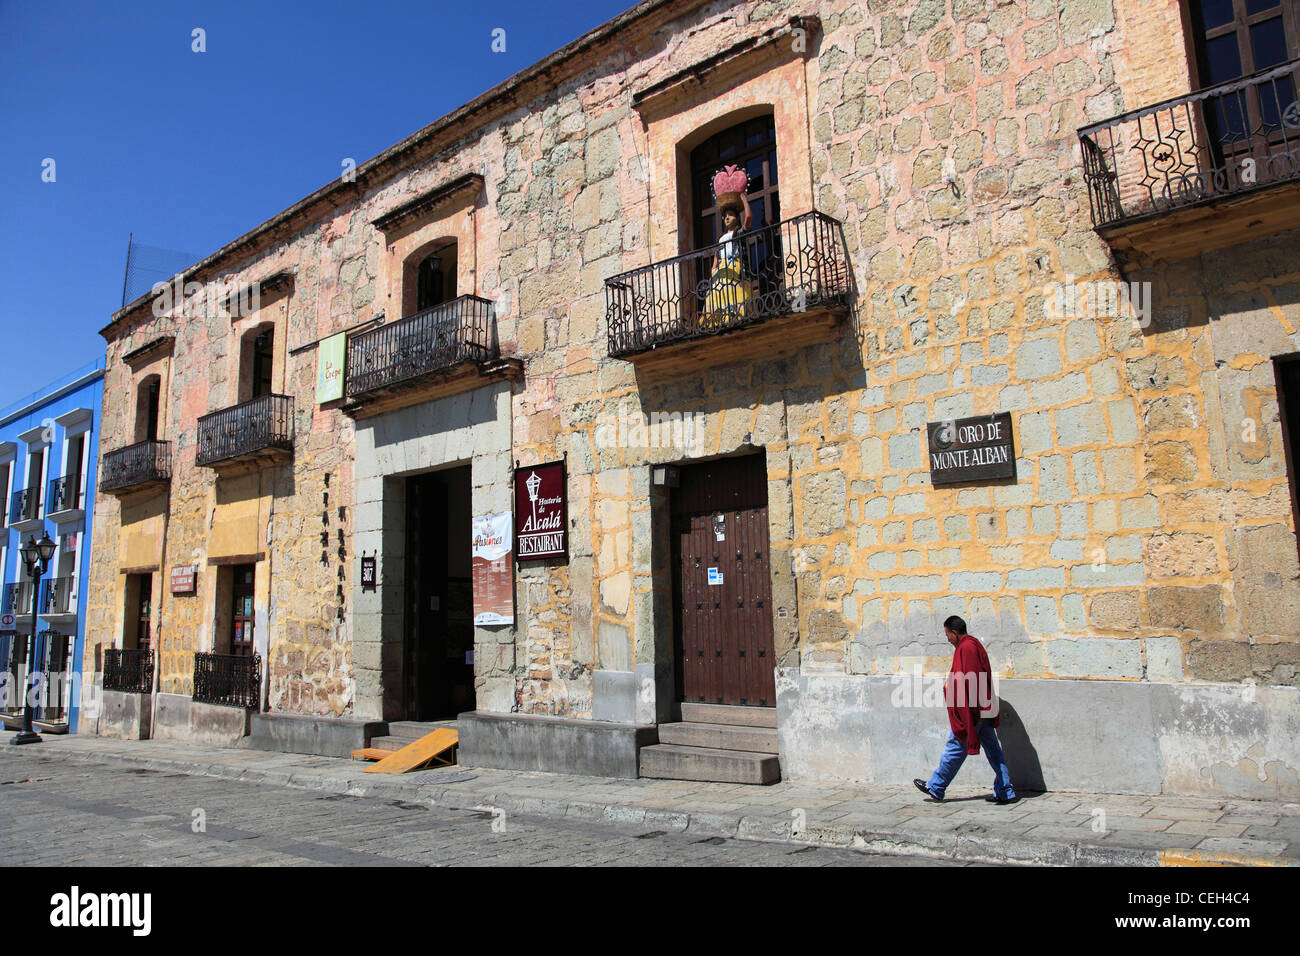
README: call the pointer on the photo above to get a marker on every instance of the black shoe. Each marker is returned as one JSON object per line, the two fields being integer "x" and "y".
{"x": 1000, "y": 800}
{"x": 921, "y": 785}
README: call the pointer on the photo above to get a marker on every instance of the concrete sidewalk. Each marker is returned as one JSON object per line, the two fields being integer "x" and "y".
{"x": 1057, "y": 829}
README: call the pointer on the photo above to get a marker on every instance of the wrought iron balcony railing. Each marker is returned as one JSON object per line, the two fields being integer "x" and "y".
{"x": 144, "y": 463}
{"x": 793, "y": 266}
{"x": 1220, "y": 141}
{"x": 128, "y": 670}
{"x": 258, "y": 425}
{"x": 57, "y": 595}
{"x": 65, "y": 494}
{"x": 18, "y": 598}
{"x": 230, "y": 679}
{"x": 25, "y": 505}
{"x": 434, "y": 340}
{"x": 54, "y": 663}
{"x": 13, "y": 655}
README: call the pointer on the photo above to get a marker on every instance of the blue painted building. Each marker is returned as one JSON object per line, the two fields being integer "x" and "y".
{"x": 48, "y": 460}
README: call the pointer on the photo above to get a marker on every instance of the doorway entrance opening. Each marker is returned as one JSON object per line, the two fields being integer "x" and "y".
{"x": 438, "y": 652}
{"x": 722, "y": 588}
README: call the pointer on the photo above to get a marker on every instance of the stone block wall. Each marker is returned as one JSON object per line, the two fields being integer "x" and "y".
{"x": 1137, "y": 542}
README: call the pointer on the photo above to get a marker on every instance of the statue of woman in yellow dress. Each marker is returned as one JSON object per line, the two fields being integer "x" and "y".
{"x": 729, "y": 291}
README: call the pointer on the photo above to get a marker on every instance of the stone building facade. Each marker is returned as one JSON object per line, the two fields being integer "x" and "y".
{"x": 955, "y": 180}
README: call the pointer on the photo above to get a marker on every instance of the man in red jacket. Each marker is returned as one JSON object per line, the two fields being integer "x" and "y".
{"x": 972, "y": 716}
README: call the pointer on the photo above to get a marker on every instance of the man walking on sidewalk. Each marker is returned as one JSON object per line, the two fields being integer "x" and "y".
{"x": 972, "y": 715}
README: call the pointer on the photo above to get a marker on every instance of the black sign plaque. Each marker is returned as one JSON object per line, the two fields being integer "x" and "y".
{"x": 971, "y": 449}
{"x": 367, "y": 572}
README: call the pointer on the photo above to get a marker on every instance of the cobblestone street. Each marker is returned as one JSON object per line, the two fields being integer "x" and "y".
{"x": 57, "y": 814}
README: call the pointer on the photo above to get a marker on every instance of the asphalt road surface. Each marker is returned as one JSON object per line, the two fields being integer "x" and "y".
{"x": 65, "y": 814}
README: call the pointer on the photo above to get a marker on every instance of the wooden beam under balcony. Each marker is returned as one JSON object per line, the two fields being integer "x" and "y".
{"x": 775, "y": 338}
{"x": 1188, "y": 232}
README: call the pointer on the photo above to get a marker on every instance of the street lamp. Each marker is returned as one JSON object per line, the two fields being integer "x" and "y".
{"x": 36, "y": 556}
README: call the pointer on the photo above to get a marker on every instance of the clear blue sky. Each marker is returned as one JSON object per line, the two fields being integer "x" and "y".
{"x": 190, "y": 150}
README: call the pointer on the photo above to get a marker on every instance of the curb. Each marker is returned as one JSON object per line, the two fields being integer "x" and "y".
{"x": 959, "y": 847}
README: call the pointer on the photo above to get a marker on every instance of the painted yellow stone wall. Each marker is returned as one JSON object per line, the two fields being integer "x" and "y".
{"x": 1141, "y": 539}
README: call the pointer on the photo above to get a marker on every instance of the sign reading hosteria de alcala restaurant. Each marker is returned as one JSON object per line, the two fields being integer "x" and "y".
{"x": 971, "y": 449}
{"x": 541, "y": 512}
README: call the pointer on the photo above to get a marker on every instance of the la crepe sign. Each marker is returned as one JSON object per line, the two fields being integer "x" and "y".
{"x": 541, "y": 512}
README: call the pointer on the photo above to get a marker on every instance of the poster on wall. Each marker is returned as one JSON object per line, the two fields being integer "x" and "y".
{"x": 541, "y": 511}
{"x": 330, "y": 355}
{"x": 492, "y": 569}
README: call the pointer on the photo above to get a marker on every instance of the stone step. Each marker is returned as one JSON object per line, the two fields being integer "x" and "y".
{"x": 727, "y": 714}
{"x": 672, "y": 762}
{"x": 720, "y": 736}
{"x": 415, "y": 729}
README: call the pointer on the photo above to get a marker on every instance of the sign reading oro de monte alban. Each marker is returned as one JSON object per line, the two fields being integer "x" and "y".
{"x": 971, "y": 449}
{"x": 541, "y": 512}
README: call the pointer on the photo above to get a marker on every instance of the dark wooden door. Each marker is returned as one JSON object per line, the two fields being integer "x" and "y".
{"x": 426, "y": 618}
{"x": 241, "y": 618}
{"x": 722, "y": 586}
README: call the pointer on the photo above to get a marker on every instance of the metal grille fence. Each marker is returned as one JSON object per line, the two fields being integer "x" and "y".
{"x": 128, "y": 670}
{"x": 65, "y": 494}
{"x": 138, "y": 464}
{"x": 25, "y": 505}
{"x": 791, "y": 266}
{"x": 233, "y": 680}
{"x": 462, "y": 330}
{"x": 260, "y": 423}
{"x": 1220, "y": 141}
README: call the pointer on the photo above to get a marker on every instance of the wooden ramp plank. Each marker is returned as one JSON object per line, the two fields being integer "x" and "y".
{"x": 372, "y": 753}
{"x": 415, "y": 756}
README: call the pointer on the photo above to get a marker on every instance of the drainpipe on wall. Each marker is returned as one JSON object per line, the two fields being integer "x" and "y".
{"x": 156, "y": 644}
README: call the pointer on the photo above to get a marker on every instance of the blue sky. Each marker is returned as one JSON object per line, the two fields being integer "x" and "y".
{"x": 189, "y": 150}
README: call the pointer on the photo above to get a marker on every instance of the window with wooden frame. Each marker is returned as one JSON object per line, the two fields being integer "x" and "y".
{"x": 1232, "y": 39}
{"x": 750, "y": 146}
{"x": 146, "y": 409}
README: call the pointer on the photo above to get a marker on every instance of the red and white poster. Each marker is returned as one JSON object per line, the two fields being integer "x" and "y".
{"x": 493, "y": 569}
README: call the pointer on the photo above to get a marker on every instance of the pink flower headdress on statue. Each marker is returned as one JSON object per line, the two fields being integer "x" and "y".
{"x": 729, "y": 186}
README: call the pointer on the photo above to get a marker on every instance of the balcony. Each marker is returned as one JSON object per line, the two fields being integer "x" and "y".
{"x": 1197, "y": 172}
{"x": 229, "y": 679}
{"x": 25, "y": 510}
{"x": 13, "y": 655}
{"x": 128, "y": 670}
{"x": 438, "y": 351}
{"x": 58, "y": 602}
{"x": 257, "y": 430}
{"x": 143, "y": 465}
{"x": 64, "y": 500}
{"x": 793, "y": 281}
{"x": 49, "y": 673}
{"x": 17, "y": 599}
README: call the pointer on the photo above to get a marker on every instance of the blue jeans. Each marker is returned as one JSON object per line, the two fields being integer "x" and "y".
{"x": 954, "y": 755}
